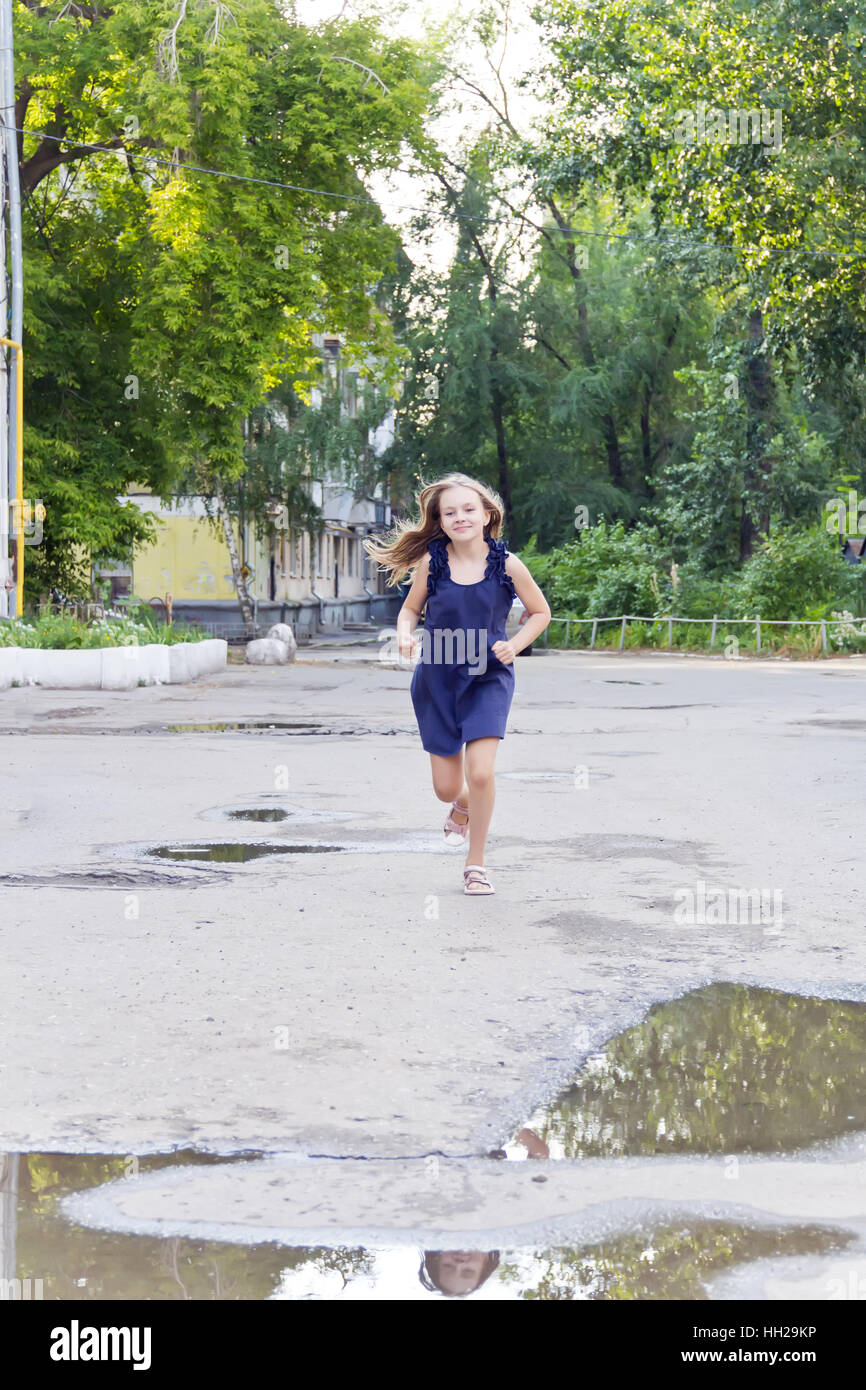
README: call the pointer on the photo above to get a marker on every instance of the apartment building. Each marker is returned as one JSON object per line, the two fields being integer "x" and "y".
{"x": 313, "y": 581}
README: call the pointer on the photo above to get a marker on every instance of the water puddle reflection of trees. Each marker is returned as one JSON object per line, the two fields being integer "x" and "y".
{"x": 726, "y": 1069}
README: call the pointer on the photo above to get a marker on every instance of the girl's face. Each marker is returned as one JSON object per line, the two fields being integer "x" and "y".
{"x": 461, "y": 514}
{"x": 460, "y": 1270}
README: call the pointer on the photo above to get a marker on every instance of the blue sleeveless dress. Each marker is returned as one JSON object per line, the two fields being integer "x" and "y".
{"x": 460, "y": 690}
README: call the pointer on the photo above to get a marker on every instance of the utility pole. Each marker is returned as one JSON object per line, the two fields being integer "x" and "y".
{"x": 9, "y": 421}
{"x": 5, "y": 567}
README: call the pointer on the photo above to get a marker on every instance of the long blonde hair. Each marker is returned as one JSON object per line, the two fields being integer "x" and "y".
{"x": 401, "y": 550}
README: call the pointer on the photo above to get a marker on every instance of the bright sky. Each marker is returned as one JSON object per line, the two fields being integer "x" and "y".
{"x": 522, "y": 50}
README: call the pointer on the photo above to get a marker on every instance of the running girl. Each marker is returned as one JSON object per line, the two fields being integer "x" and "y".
{"x": 463, "y": 686}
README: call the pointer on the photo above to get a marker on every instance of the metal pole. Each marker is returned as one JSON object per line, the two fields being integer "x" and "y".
{"x": 8, "y": 1223}
{"x": 16, "y": 368}
{"x": 5, "y": 566}
{"x": 713, "y": 633}
{"x": 622, "y": 632}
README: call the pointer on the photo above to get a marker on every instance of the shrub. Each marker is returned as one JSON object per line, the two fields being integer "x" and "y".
{"x": 59, "y": 631}
{"x": 796, "y": 574}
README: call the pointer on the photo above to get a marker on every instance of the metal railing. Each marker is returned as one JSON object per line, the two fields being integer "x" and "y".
{"x": 757, "y": 622}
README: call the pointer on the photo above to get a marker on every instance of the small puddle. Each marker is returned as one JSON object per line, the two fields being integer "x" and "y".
{"x": 669, "y": 1261}
{"x": 281, "y": 811}
{"x": 725, "y": 1069}
{"x": 235, "y": 852}
{"x": 298, "y": 727}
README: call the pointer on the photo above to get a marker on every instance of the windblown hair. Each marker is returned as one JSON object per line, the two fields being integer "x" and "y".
{"x": 400, "y": 551}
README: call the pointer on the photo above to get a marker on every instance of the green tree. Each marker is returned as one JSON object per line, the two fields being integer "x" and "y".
{"x": 164, "y": 302}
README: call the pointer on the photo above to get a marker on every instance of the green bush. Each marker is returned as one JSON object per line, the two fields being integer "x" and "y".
{"x": 796, "y": 574}
{"x": 608, "y": 571}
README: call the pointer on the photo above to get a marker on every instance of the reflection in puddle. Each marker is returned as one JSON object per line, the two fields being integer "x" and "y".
{"x": 729, "y": 1068}
{"x": 236, "y": 852}
{"x": 259, "y": 813}
{"x": 667, "y": 1262}
{"x": 726, "y": 1069}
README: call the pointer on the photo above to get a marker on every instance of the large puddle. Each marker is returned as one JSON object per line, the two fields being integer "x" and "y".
{"x": 74, "y": 1262}
{"x": 729, "y": 1068}
{"x": 725, "y": 1069}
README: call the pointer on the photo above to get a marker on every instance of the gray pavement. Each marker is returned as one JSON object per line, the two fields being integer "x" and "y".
{"x": 356, "y": 1003}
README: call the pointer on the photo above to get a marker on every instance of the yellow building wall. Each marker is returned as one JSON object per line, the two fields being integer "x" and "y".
{"x": 188, "y": 561}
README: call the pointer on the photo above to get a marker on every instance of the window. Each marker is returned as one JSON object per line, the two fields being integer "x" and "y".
{"x": 285, "y": 546}
{"x": 331, "y": 352}
{"x": 350, "y": 393}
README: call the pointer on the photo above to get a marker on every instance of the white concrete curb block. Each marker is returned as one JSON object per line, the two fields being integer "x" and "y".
{"x": 11, "y": 667}
{"x": 111, "y": 668}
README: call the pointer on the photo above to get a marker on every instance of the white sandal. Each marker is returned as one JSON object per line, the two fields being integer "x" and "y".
{"x": 476, "y": 873}
{"x": 455, "y": 833}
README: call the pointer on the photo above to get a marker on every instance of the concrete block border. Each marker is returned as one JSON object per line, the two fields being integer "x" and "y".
{"x": 111, "y": 668}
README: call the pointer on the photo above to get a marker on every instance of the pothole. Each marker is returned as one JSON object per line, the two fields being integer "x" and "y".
{"x": 235, "y": 852}
{"x": 296, "y": 727}
{"x": 243, "y": 725}
{"x": 252, "y": 727}
{"x": 279, "y": 812}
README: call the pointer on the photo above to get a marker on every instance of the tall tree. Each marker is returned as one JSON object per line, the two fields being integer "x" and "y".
{"x": 183, "y": 296}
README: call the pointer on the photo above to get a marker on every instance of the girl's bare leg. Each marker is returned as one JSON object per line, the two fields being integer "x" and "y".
{"x": 449, "y": 783}
{"x": 480, "y": 760}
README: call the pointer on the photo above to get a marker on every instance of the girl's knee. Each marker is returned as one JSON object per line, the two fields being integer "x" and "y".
{"x": 448, "y": 791}
{"x": 479, "y": 778}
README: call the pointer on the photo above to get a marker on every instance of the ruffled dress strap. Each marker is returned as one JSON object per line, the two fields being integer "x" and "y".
{"x": 496, "y": 565}
{"x": 438, "y": 564}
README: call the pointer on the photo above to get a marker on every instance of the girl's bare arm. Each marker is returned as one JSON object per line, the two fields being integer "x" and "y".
{"x": 413, "y": 606}
{"x": 533, "y": 600}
